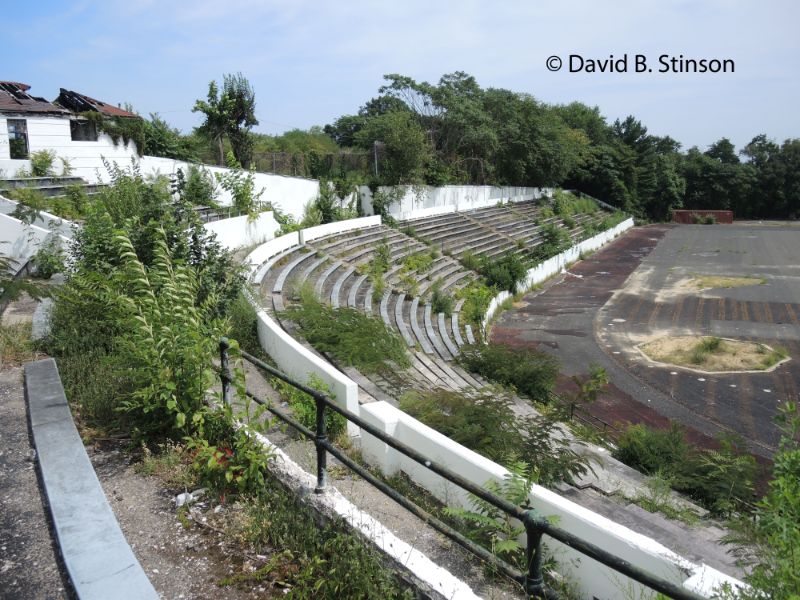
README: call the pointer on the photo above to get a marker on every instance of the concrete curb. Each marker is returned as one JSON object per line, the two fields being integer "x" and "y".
{"x": 98, "y": 559}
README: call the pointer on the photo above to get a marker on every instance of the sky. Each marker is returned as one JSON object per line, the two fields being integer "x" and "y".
{"x": 310, "y": 62}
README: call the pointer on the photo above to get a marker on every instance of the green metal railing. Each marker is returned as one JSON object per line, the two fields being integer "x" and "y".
{"x": 536, "y": 526}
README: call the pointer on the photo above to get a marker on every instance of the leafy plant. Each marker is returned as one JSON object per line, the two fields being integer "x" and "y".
{"x": 527, "y": 371}
{"x": 242, "y": 187}
{"x": 493, "y": 528}
{"x": 477, "y": 297}
{"x": 42, "y": 163}
{"x": 440, "y": 301}
{"x": 770, "y": 542}
{"x": 49, "y": 258}
{"x": 485, "y": 422}
{"x": 304, "y": 407}
{"x": 347, "y": 334}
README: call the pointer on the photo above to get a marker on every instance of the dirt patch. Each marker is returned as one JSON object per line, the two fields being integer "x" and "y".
{"x": 712, "y": 354}
{"x": 708, "y": 282}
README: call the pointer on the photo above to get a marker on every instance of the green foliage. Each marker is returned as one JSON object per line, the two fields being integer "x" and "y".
{"x": 441, "y": 302}
{"x": 304, "y": 407}
{"x": 504, "y": 273}
{"x": 230, "y": 113}
{"x": 49, "y": 258}
{"x": 350, "y": 336}
{"x": 772, "y": 538}
{"x": 42, "y": 163}
{"x": 331, "y": 563}
{"x": 717, "y": 478}
{"x": 237, "y": 464}
{"x": 477, "y": 297}
{"x": 125, "y": 129}
{"x": 420, "y": 262}
{"x": 652, "y": 450}
{"x": 527, "y": 371}
{"x": 197, "y": 187}
{"x": 485, "y": 422}
{"x": 169, "y": 345}
{"x": 242, "y": 187}
{"x": 554, "y": 240}
{"x": 493, "y": 528}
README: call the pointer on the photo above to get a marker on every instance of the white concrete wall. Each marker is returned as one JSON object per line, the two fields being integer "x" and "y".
{"x": 20, "y": 241}
{"x": 593, "y": 579}
{"x": 312, "y": 233}
{"x": 557, "y": 264}
{"x": 426, "y": 201}
{"x": 240, "y": 232}
{"x": 289, "y": 354}
{"x": 289, "y": 194}
{"x": 53, "y": 133}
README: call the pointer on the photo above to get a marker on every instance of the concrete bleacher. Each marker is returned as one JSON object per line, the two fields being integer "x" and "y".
{"x": 336, "y": 267}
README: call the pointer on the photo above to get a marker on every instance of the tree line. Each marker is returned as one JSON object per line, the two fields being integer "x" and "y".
{"x": 456, "y": 132}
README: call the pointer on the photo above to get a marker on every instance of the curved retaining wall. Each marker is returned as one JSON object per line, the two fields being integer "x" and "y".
{"x": 290, "y": 355}
{"x": 592, "y": 579}
{"x": 557, "y": 264}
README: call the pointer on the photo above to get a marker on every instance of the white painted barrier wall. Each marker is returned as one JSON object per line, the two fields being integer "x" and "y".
{"x": 20, "y": 241}
{"x": 289, "y": 354}
{"x": 593, "y": 579}
{"x": 318, "y": 231}
{"x": 289, "y": 194}
{"x": 557, "y": 264}
{"x": 427, "y": 201}
{"x": 240, "y": 232}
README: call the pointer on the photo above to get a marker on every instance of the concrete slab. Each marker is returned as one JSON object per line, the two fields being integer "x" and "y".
{"x": 99, "y": 561}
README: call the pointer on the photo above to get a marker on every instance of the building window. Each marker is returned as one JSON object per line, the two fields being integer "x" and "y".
{"x": 83, "y": 131}
{"x": 18, "y": 138}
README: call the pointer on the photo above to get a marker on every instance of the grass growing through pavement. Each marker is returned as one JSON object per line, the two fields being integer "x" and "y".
{"x": 707, "y": 282}
{"x": 713, "y": 353}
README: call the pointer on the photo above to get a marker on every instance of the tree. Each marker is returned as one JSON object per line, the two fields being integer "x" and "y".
{"x": 405, "y": 144}
{"x": 230, "y": 113}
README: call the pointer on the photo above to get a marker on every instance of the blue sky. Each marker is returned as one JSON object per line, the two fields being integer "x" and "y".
{"x": 310, "y": 61}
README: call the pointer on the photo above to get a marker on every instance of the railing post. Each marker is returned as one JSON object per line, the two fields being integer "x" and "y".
{"x": 535, "y": 587}
{"x": 322, "y": 456}
{"x": 225, "y": 375}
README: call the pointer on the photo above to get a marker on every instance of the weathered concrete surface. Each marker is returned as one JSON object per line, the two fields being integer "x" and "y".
{"x": 631, "y": 291}
{"x": 28, "y": 560}
{"x": 97, "y": 557}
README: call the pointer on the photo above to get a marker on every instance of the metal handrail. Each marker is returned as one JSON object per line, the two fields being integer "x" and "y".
{"x": 535, "y": 525}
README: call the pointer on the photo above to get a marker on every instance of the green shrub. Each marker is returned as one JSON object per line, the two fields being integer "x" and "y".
{"x": 348, "y": 335}
{"x": 555, "y": 240}
{"x": 440, "y": 301}
{"x": 652, "y": 450}
{"x": 486, "y": 422}
{"x": 49, "y": 258}
{"x": 42, "y": 163}
{"x": 505, "y": 273}
{"x": 329, "y": 562}
{"x": 477, "y": 297}
{"x": 770, "y": 541}
{"x": 304, "y": 407}
{"x": 529, "y": 372}
{"x": 717, "y": 478}
{"x": 419, "y": 262}
{"x": 470, "y": 261}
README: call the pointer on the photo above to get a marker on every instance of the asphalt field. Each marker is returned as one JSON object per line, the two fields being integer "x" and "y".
{"x": 635, "y": 290}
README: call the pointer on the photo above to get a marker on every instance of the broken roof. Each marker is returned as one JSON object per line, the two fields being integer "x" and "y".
{"x": 14, "y": 98}
{"x": 80, "y": 103}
